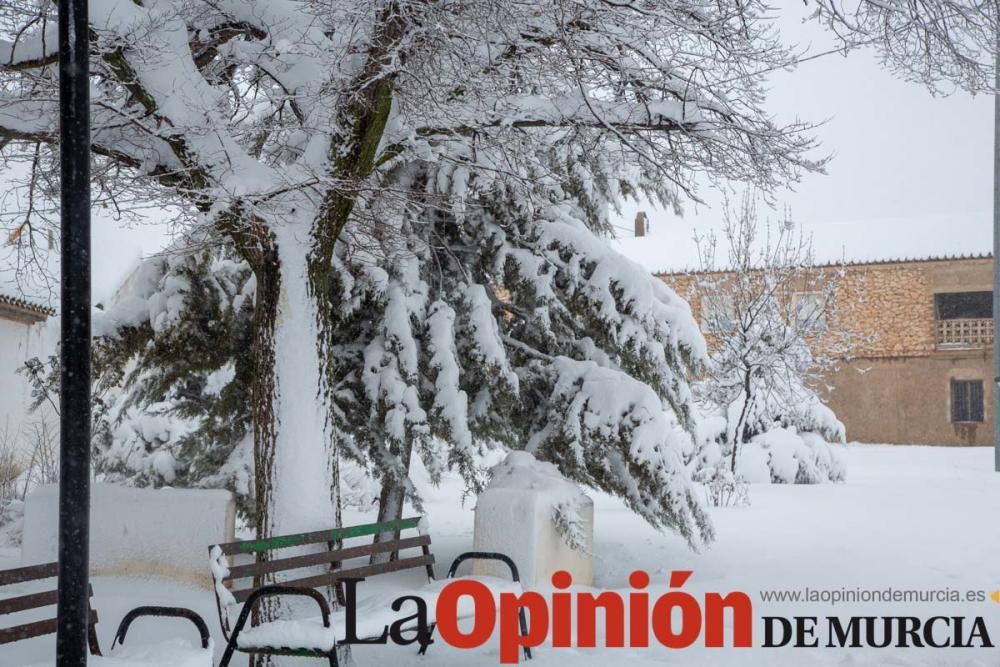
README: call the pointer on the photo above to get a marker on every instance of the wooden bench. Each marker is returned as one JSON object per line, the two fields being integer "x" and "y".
{"x": 235, "y": 584}
{"x": 249, "y": 583}
{"x": 37, "y": 600}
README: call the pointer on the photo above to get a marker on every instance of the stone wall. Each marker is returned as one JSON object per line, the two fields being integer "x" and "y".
{"x": 888, "y": 308}
{"x": 907, "y": 400}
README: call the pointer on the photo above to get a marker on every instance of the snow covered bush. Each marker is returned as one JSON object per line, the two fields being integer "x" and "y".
{"x": 784, "y": 456}
{"x": 11, "y": 477}
{"x": 11, "y": 465}
{"x": 11, "y": 521}
{"x": 778, "y": 455}
{"x": 728, "y": 489}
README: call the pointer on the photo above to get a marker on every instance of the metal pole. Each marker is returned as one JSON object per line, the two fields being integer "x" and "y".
{"x": 996, "y": 254}
{"x": 74, "y": 396}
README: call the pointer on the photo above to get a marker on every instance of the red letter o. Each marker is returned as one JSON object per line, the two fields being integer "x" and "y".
{"x": 447, "y": 615}
{"x": 690, "y": 620}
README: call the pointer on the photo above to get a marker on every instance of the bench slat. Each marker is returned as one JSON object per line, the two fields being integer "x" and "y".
{"x": 36, "y": 629}
{"x": 353, "y": 573}
{"x": 19, "y": 575}
{"x": 321, "y": 558}
{"x": 33, "y": 601}
{"x": 329, "y": 535}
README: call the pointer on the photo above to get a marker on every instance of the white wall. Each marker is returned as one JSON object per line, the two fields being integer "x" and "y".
{"x": 18, "y": 343}
{"x": 161, "y": 532}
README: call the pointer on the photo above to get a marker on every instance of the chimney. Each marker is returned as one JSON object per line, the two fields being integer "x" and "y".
{"x": 641, "y": 224}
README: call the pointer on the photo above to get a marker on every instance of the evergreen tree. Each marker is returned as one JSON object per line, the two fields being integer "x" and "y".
{"x": 507, "y": 321}
{"x": 510, "y": 320}
{"x": 177, "y": 347}
{"x": 279, "y": 124}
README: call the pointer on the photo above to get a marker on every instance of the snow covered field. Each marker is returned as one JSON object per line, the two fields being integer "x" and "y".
{"x": 907, "y": 517}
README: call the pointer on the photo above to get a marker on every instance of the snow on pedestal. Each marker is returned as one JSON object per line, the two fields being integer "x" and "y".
{"x": 533, "y": 514}
{"x": 161, "y": 532}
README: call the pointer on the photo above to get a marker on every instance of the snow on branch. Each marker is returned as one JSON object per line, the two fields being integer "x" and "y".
{"x": 605, "y": 429}
{"x": 30, "y": 49}
{"x": 939, "y": 43}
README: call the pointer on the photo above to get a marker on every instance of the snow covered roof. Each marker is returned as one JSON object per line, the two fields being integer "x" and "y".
{"x": 22, "y": 310}
{"x": 860, "y": 262}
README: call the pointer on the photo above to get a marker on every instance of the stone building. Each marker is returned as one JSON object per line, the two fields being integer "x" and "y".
{"x": 921, "y": 372}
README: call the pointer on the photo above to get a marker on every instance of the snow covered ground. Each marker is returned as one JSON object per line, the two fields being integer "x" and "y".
{"x": 907, "y": 517}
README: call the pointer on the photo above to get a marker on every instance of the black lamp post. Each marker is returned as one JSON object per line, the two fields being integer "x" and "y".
{"x": 74, "y": 397}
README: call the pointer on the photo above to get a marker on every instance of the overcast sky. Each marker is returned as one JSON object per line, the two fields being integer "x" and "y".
{"x": 910, "y": 174}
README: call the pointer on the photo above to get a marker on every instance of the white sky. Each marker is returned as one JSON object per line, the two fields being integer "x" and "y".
{"x": 910, "y": 174}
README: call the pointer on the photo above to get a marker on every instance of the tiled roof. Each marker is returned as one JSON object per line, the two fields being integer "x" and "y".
{"x": 22, "y": 309}
{"x": 858, "y": 262}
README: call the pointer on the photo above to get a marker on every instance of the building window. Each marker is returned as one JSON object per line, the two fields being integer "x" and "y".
{"x": 967, "y": 400}
{"x": 809, "y": 311}
{"x": 718, "y": 313}
{"x": 964, "y": 319}
{"x": 964, "y": 305}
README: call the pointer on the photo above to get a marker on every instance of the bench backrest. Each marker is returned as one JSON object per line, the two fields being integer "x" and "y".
{"x": 336, "y": 556}
{"x": 36, "y": 600}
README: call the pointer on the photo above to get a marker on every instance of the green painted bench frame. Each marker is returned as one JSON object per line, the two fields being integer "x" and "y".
{"x": 332, "y": 557}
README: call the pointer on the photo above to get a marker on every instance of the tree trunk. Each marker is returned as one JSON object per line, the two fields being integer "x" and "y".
{"x": 294, "y": 461}
{"x": 741, "y": 424}
{"x": 268, "y": 276}
{"x": 390, "y": 504}
{"x": 298, "y": 484}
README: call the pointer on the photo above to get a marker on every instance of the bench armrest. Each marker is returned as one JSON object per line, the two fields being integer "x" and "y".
{"x": 173, "y": 612}
{"x": 509, "y": 562}
{"x": 484, "y": 555}
{"x": 272, "y": 590}
{"x": 277, "y": 590}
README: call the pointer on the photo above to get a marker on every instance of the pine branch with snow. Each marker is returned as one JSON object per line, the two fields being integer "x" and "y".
{"x": 176, "y": 355}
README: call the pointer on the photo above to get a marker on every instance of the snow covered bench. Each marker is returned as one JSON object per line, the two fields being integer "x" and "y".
{"x": 319, "y": 635}
{"x": 27, "y": 600}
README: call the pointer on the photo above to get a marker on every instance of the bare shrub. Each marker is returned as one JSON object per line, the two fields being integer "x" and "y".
{"x": 11, "y": 466}
{"x": 728, "y": 490}
{"x": 43, "y": 462}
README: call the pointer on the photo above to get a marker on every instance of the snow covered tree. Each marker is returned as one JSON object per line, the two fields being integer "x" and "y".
{"x": 177, "y": 347}
{"x": 509, "y": 320}
{"x": 496, "y": 324}
{"x": 773, "y": 329}
{"x": 279, "y": 124}
{"x": 172, "y": 368}
{"x": 927, "y": 41}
